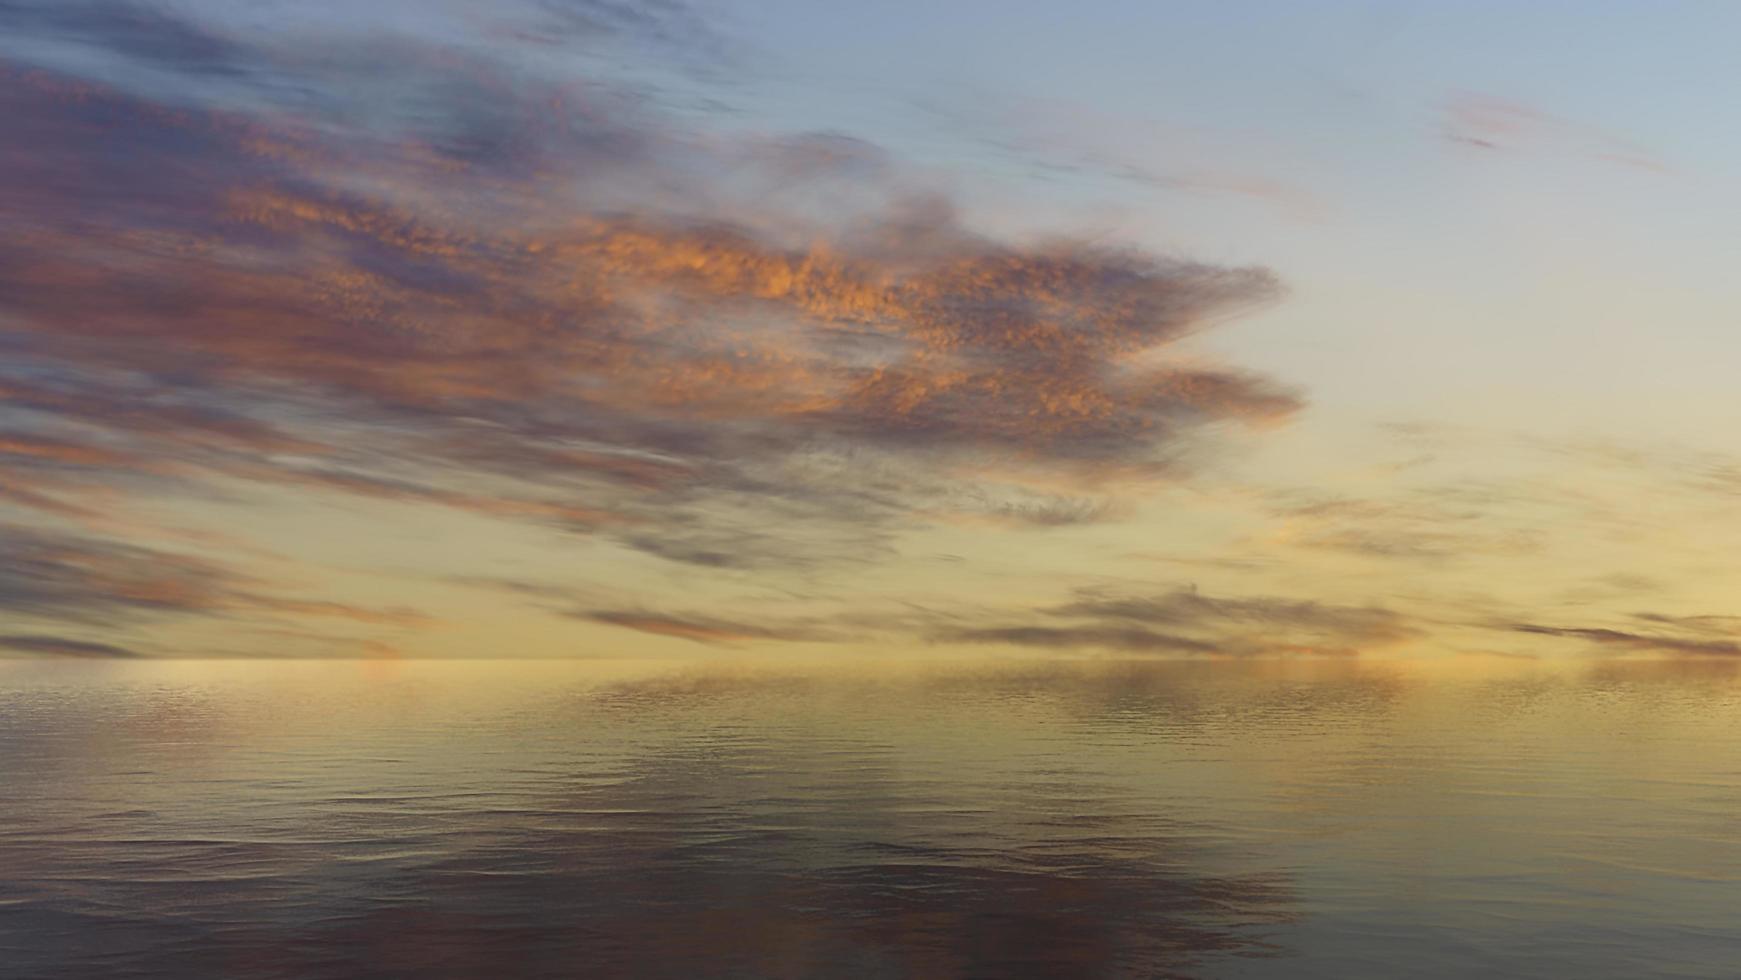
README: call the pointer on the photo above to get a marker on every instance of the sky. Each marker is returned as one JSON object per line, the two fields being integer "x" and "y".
{"x": 591, "y": 328}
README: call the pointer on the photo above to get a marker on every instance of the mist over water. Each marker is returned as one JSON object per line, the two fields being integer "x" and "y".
{"x": 1241, "y": 819}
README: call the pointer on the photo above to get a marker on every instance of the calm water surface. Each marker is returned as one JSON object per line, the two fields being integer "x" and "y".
{"x": 600, "y": 819}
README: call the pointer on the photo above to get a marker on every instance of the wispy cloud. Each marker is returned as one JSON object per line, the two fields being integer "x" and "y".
{"x": 1641, "y": 642}
{"x": 68, "y": 578}
{"x": 1491, "y": 123}
{"x": 1181, "y": 622}
{"x": 1131, "y": 639}
{"x": 135, "y": 32}
{"x": 61, "y": 646}
{"x": 1190, "y": 622}
{"x": 1050, "y": 139}
{"x": 701, "y": 629}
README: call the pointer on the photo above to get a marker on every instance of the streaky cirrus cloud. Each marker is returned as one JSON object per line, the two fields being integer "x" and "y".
{"x": 1699, "y": 645}
{"x": 699, "y": 628}
{"x": 1190, "y": 622}
{"x": 53, "y": 575}
{"x": 1491, "y": 123}
{"x": 62, "y": 646}
{"x": 1180, "y": 622}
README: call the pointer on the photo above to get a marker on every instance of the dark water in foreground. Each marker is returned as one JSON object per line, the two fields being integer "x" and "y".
{"x": 184, "y": 820}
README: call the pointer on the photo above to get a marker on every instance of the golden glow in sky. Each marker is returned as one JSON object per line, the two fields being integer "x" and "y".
{"x": 577, "y": 330}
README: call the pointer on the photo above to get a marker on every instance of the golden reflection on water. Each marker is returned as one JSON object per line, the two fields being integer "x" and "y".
{"x": 878, "y": 818}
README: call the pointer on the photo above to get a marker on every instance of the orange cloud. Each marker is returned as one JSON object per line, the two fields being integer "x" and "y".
{"x": 519, "y": 296}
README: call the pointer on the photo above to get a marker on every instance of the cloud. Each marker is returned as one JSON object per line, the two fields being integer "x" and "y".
{"x": 60, "y": 646}
{"x": 1182, "y": 622}
{"x": 672, "y": 27}
{"x": 701, "y": 629}
{"x": 1491, "y": 123}
{"x": 132, "y": 31}
{"x": 480, "y": 286}
{"x": 1129, "y": 638}
{"x": 1057, "y": 512}
{"x": 86, "y": 580}
{"x": 1642, "y": 642}
{"x": 1188, "y": 607}
{"x": 1430, "y": 522}
{"x": 1704, "y": 625}
{"x": 1185, "y": 621}
{"x": 1047, "y": 139}
{"x": 73, "y": 578}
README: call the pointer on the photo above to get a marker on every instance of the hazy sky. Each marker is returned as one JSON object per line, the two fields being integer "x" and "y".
{"x": 597, "y": 328}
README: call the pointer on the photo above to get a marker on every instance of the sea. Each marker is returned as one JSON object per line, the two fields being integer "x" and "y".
{"x": 897, "y": 817}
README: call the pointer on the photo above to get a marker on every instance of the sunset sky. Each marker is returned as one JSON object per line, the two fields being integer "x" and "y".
{"x": 598, "y": 328}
